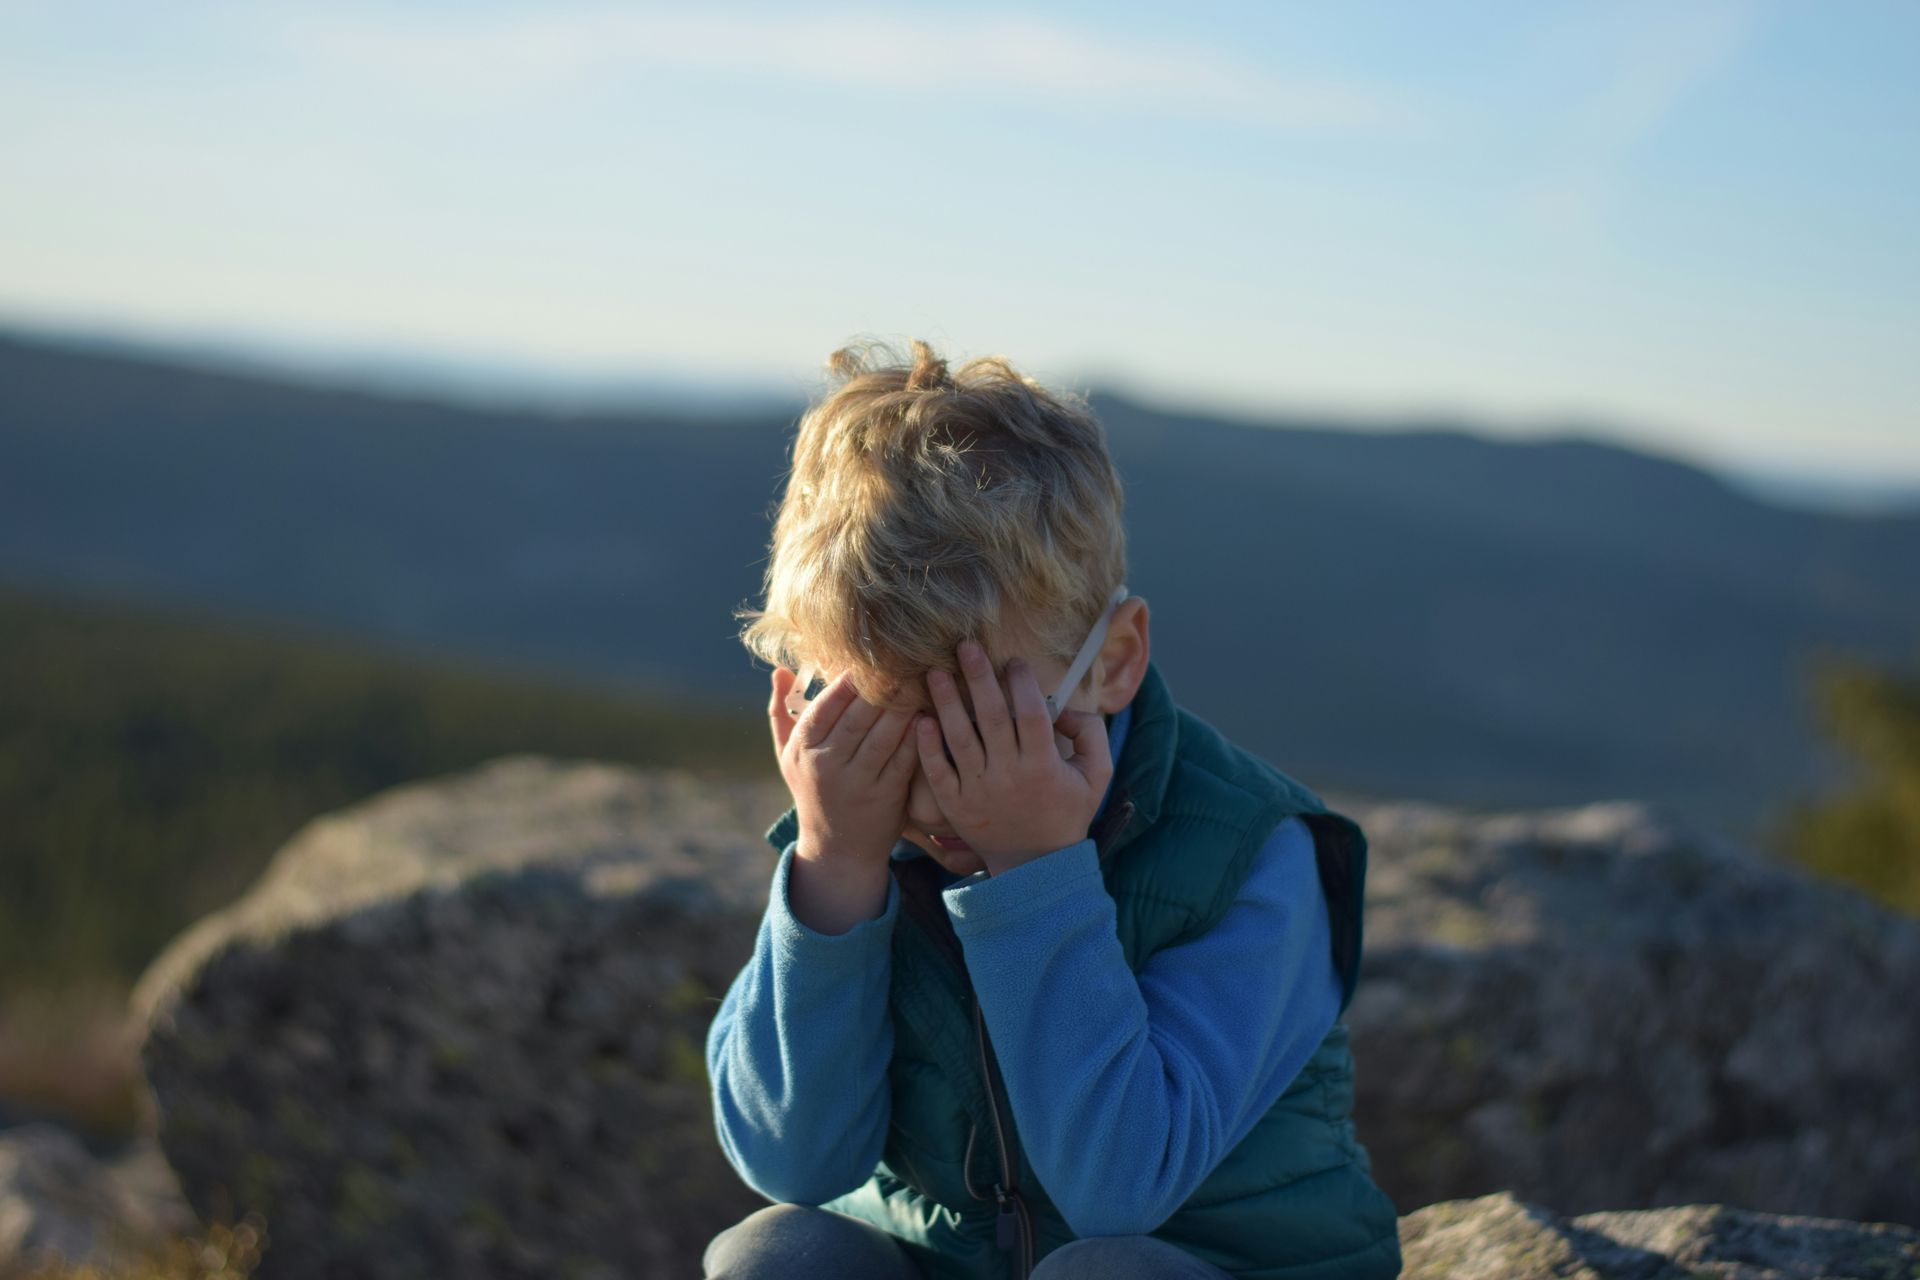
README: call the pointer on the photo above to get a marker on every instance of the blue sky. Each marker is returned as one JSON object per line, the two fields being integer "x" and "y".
{"x": 1691, "y": 225}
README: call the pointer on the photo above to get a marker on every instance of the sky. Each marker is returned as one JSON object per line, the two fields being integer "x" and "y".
{"x": 1689, "y": 226}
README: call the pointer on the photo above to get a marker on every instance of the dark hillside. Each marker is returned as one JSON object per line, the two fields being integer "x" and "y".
{"x": 1421, "y": 612}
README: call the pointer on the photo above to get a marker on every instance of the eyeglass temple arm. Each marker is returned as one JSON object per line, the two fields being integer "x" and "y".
{"x": 1084, "y": 659}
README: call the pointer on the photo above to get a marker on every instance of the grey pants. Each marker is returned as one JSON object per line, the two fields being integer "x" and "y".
{"x": 798, "y": 1242}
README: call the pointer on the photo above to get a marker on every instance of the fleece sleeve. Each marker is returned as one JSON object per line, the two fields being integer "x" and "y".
{"x": 797, "y": 1054}
{"x": 1128, "y": 1091}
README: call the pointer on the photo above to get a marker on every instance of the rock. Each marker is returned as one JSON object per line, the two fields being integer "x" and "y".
{"x": 59, "y": 1203}
{"x": 457, "y": 1029}
{"x": 1596, "y": 1009}
{"x": 1498, "y": 1237}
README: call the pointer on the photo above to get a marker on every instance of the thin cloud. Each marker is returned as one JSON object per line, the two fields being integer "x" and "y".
{"x": 1667, "y": 59}
{"x": 1663, "y": 61}
{"x": 496, "y": 55}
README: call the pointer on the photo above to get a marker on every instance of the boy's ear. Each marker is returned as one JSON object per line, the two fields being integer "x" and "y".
{"x": 1124, "y": 654}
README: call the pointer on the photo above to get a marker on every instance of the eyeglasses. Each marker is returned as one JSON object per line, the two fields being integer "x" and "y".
{"x": 810, "y": 683}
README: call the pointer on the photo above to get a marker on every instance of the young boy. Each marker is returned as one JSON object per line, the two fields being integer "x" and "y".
{"x": 1050, "y": 974}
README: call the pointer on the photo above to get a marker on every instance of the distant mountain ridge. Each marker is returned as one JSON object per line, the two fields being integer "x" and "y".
{"x": 490, "y": 381}
{"x": 1411, "y": 613}
{"x": 458, "y": 378}
{"x": 1832, "y": 493}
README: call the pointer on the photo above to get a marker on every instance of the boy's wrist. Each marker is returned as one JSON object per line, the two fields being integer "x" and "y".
{"x": 1000, "y": 863}
{"x": 831, "y": 895}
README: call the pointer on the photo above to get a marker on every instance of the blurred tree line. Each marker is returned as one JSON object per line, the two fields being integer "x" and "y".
{"x": 1867, "y": 834}
{"x": 152, "y": 763}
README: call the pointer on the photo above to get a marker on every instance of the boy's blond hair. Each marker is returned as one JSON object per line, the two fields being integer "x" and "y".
{"x": 919, "y": 503}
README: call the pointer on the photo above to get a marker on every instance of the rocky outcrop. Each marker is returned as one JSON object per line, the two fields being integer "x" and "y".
{"x": 58, "y": 1204}
{"x": 1499, "y": 1237}
{"x": 1599, "y": 1011}
{"x": 57, "y": 1201}
{"x": 457, "y": 1029}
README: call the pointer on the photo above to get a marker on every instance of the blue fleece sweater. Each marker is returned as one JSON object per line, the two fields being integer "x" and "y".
{"x": 1127, "y": 1090}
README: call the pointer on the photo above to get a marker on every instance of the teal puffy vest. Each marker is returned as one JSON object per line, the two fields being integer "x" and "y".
{"x": 1295, "y": 1200}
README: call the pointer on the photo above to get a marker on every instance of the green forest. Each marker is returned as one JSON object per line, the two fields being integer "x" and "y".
{"x": 152, "y": 763}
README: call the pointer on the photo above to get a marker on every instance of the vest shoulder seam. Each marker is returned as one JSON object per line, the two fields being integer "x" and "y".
{"x": 1287, "y": 801}
{"x": 1257, "y": 766}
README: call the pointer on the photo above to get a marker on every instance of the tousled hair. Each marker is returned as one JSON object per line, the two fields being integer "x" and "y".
{"x": 923, "y": 506}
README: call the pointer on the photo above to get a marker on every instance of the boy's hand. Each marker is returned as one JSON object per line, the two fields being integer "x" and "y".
{"x": 1008, "y": 793}
{"x": 848, "y": 765}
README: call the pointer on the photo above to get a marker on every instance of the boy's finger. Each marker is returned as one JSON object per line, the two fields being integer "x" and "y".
{"x": 1029, "y": 708}
{"x": 777, "y": 708}
{"x": 954, "y": 730}
{"x": 1091, "y": 749}
{"x": 881, "y": 742}
{"x": 818, "y": 720}
{"x": 850, "y": 731}
{"x": 990, "y": 711}
{"x": 906, "y": 754}
{"x": 933, "y": 756}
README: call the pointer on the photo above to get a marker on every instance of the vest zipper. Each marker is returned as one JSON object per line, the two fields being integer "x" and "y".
{"x": 1014, "y": 1225}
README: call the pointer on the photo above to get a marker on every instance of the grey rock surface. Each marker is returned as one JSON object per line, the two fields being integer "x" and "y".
{"x": 1499, "y": 1237}
{"x": 58, "y": 1203}
{"x": 1595, "y": 1009}
{"x": 457, "y": 1029}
